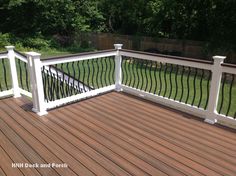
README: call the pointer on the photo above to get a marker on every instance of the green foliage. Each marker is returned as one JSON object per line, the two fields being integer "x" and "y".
{"x": 209, "y": 20}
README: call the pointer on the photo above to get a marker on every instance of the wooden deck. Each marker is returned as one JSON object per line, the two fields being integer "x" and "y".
{"x": 112, "y": 134}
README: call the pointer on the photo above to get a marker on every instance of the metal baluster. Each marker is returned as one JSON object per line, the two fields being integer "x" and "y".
{"x": 170, "y": 79}
{"x": 155, "y": 76}
{"x": 176, "y": 81}
{"x": 194, "y": 86}
{"x": 160, "y": 89}
{"x": 200, "y": 100}
{"x": 165, "y": 81}
{"x": 182, "y": 84}
{"x": 208, "y": 89}
{"x": 188, "y": 85}
{"x": 230, "y": 94}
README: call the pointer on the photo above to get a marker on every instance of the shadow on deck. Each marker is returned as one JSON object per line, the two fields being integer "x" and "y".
{"x": 112, "y": 134}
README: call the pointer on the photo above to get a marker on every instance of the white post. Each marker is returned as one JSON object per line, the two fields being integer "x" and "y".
{"x": 12, "y": 61}
{"x": 214, "y": 90}
{"x": 118, "y": 70}
{"x": 35, "y": 65}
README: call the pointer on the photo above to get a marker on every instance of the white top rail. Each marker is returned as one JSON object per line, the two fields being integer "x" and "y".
{"x": 3, "y": 55}
{"x": 20, "y": 56}
{"x": 78, "y": 57}
{"x": 207, "y": 65}
{"x": 229, "y": 68}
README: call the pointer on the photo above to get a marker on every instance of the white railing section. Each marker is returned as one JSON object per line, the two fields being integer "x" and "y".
{"x": 40, "y": 106}
{"x": 12, "y": 55}
{"x": 210, "y": 114}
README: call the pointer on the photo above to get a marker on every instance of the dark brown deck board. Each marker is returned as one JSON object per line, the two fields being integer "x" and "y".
{"x": 113, "y": 134}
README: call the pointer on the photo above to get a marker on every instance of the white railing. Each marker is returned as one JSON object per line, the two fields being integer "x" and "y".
{"x": 11, "y": 55}
{"x": 40, "y": 105}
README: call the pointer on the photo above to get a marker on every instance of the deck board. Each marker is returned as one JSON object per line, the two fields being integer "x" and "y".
{"x": 113, "y": 134}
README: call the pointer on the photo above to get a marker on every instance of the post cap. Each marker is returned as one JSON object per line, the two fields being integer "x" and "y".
{"x": 9, "y": 47}
{"x": 219, "y": 58}
{"x": 33, "y": 54}
{"x": 118, "y": 46}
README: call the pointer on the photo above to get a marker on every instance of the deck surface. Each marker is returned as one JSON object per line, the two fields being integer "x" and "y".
{"x": 111, "y": 134}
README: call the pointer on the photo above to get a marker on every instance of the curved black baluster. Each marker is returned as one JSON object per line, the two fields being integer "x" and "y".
{"x": 208, "y": 89}
{"x": 150, "y": 76}
{"x": 194, "y": 86}
{"x": 88, "y": 75}
{"x": 165, "y": 81}
{"x": 113, "y": 69}
{"x": 1, "y": 86}
{"x": 74, "y": 73}
{"x": 110, "y": 71}
{"x": 133, "y": 72}
{"x": 98, "y": 71}
{"x": 125, "y": 75}
{"x": 70, "y": 88}
{"x": 182, "y": 84}
{"x": 5, "y": 74}
{"x": 102, "y": 70}
{"x": 145, "y": 73}
{"x": 222, "y": 92}
{"x": 62, "y": 82}
{"x": 51, "y": 84}
{"x": 176, "y": 81}
{"x": 137, "y": 68}
{"x": 26, "y": 77}
{"x": 20, "y": 69}
{"x": 130, "y": 71}
{"x": 170, "y": 79}
{"x": 44, "y": 83}
{"x": 200, "y": 100}
{"x": 142, "y": 62}
{"x": 188, "y": 85}
{"x": 57, "y": 83}
{"x": 93, "y": 85}
{"x": 107, "y": 72}
{"x": 68, "y": 80}
{"x": 155, "y": 76}
{"x": 78, "y": 78}
{"x": 54, "y": 86}
{"x": 230, "y": 94}
{"x": 83, "y": 76}
{"x": 160, "y": 70}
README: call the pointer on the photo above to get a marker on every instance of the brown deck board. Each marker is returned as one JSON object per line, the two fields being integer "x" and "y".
{"x": 148, "y": 127}
{"x": 17, "y": 156}
{"x": 113, "y": 134}
{"x": 2, "y": 172}
{"x": 6, "y": 164}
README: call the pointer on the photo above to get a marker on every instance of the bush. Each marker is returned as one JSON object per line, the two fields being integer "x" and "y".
{"x": 5, "y": 39}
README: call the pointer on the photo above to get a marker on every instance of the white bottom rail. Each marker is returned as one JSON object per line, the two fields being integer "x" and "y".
{"x": 78, "y": 97}
{"x": 165, "y": 101}
{"x": 6, "y": 93}
{"x": 199, "y": 112}
{"x": 26, "y": 93}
